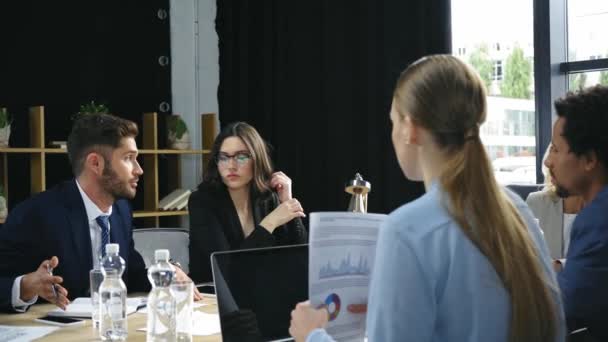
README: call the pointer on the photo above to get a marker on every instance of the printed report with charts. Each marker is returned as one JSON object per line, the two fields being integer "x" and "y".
{"x": 341, "y": 256}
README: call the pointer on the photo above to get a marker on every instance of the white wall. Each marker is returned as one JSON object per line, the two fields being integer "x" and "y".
{"x": 194, "y": 74}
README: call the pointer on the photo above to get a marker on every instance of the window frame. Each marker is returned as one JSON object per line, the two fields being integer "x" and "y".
{"x": 550, "y": 52}
{"x": 552, "y": 68}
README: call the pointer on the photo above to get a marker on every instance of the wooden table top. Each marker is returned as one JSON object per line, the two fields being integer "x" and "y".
{"x": 86, "y": 332}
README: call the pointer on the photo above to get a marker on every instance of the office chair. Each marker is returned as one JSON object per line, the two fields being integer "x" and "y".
{"x": 580, "y": 335}
{"x": 176, "y": 240}
{"x": 523, "y": 190}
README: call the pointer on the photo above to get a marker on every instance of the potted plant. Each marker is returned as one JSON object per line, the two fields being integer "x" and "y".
{"x": 85, "y": 109}
{"x": 177, "y": 133}
{"x": 91, "y": 108}
{"x": 5, "y": 127}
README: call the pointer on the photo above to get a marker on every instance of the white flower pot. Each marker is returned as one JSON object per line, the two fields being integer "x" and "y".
{"x": 5, "y": 133}
{"x": 179, "y": 144}
{"x": 3, "y": 208}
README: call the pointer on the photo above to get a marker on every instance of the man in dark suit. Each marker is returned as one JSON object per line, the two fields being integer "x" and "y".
{"x": 67, "y": 227}
{"x": 578, "y": 162}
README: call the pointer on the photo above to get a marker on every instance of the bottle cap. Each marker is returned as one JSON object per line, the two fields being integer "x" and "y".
{"x": 161, "y": 255}
{"x": 112, "y": 248}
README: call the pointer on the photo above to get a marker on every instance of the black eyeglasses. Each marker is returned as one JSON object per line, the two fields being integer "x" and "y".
{"x": 241, "y": 158}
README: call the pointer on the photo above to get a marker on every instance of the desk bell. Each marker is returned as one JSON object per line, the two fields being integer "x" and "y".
{"x": 358, "y": 188}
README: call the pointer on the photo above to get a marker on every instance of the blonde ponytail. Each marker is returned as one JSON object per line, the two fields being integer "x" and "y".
{"x": 447, "y": 97}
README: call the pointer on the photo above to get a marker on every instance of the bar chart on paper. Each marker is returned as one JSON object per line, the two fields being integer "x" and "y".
{"x": 345, "y": 267}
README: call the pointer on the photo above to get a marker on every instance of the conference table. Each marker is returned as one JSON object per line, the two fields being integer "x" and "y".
{"x": 86, "y": 332}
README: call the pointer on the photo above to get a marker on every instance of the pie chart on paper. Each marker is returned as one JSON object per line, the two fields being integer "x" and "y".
{"x": 333, "y": 306}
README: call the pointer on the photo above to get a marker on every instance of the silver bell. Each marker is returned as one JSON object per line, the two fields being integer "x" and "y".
{"x": 358, "y": 188}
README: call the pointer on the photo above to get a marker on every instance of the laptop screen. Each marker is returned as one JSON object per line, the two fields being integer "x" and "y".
{"x": 256, "y": 290}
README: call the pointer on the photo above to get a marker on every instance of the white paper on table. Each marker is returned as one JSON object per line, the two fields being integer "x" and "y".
{"x": 203, "y": 324}
{"x": 194, "y": 306}
{"x": 82, "y": 307}
{"x": 342, "y": 250}
{"x": 22, "y": 334}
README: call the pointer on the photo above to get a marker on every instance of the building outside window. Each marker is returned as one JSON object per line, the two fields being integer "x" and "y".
{"x": 497, "y": 74}
{"x": 501, "y": 50}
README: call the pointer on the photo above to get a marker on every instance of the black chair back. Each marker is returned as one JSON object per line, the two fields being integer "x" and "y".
{"x": 581, "y": 335}
{"x": 523, "y": 190}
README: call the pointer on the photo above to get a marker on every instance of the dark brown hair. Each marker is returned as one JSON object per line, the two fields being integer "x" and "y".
{"x": 99, "y": 133}
{"x": 586, "y": 125}
{"x": 262, "y": 164}
{"x": 448, "y": 98}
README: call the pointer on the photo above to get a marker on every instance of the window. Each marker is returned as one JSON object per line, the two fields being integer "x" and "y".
{"x": 587, "y": 48}
{"x": 587, "y": 29}
{"x": 497, "y": 74}
{"x": 580, "y": 80}
{"x": 501, "y": 48}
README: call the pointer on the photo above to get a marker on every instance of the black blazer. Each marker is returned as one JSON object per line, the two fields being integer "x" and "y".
{"x": 215, "y": 226}
{"x": 54, "y": 223}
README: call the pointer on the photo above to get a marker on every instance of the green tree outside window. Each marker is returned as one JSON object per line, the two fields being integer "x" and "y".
{"x": 480, "y": 60}
{"x": 518, "y": 75}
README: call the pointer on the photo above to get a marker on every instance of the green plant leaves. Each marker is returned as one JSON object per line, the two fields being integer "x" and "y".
{"x": 5, "y": 118}
{"x": 177, "y": 126}
{"x": 91, "y": 108}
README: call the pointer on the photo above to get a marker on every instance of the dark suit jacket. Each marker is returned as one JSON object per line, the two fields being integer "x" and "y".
{"x": 215, "y": 226}
{"x": 54, "y": 223}
{"x": 584, "y": 280}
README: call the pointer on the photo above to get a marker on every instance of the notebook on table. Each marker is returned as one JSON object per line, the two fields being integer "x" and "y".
{"x": 82, "y": 307}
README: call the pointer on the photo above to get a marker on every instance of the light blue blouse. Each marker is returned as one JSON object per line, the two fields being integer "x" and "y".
{"x": 430, "y": 283}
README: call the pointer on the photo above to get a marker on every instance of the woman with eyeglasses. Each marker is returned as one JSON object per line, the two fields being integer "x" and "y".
{"x": 241, "y": 202}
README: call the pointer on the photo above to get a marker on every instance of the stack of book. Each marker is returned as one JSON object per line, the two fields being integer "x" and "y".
{"x": 58, "y": 144}
{"x": 176, "y": 200}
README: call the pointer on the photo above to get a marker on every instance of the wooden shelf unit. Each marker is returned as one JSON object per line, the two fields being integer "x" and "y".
{"x": 150, "y": 214}
{"x": 36, "y": 152}
{"x": 159, "y": 213}
{"x": 32, "y": 150}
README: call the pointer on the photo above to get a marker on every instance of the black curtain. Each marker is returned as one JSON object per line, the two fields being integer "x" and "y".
{"x": 316, "y": 78}
{"x": 61, "y": 54}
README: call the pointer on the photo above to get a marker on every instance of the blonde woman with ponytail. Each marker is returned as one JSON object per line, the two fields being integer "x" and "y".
{"x": 466, "y": 261}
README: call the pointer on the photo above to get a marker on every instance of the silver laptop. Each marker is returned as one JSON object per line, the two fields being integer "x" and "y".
{"x": 256, "y": 290}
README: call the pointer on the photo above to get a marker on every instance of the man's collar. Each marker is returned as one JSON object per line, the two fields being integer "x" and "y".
{"x": 92, "y": 209}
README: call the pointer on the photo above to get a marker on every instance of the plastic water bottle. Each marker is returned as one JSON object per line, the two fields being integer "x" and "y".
{"x": 113, "y": 297}
{"x": 161, "y": 304}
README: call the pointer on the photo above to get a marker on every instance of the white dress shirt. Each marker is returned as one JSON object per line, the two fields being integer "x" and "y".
{"x": 93, "y": 212}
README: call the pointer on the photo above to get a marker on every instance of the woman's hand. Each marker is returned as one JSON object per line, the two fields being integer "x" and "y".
{"x": 282, "y": 185}
{"x": 180, "y": 275}
{"x": 282, "y": 214}
{"x": 305, "y": 319}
